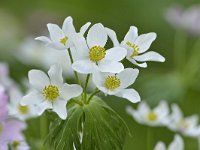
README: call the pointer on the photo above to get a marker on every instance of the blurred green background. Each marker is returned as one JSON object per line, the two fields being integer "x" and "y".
{"x": 172, "y": 80}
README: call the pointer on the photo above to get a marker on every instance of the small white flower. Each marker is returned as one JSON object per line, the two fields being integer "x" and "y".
{"x": 92, "y": 52}
{"x": 16, "y": 110}
{"x": 49, "y": 92}
{"x": 177, "y": 144}
{"x": 116, "y": 84}
{"x": 137, "y": 45}
{"x": 152, "y": 117}
{"x": 19, "y": 145}
{"x": 62, "y": 39}
{"x": 187, "y": 126}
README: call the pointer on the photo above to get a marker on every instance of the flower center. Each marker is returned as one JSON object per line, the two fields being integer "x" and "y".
{"x": 15, "y": 144}
{"x": 135, "y": 49}
{"x": 97, "y": 53}
{"x": 183, "y": 124}
{"x": 152, "y": 116}
{"x": 112, "y": 82}
{"x": 64, "y": 40}
{"x": 51, "y": 92}
{"x": 23, "y": 109}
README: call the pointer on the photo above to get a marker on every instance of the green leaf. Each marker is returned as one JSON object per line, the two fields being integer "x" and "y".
{"x": 101, "y": 128}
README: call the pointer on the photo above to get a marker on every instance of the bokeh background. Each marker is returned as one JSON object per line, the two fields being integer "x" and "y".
{"x": 176, "y": 80}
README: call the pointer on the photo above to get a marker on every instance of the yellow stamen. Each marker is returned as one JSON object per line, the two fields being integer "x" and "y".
{"x": 152, "y": 116}
{"x": 64, "y": 40}
{"x": 1, "y": 128}
{"x": 112, "y": 82}
{"x": 97, "y": 53}
{"x": 135, "y": 49}
{"x": 23, "y": 109}
{"x": 51, "y": 92}
{"x": 15, "y": 144}
{"x": 182, "y": 123}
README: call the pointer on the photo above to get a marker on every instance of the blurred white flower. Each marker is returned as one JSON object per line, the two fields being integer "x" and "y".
{"x": 34, "y": 53}
{"x": 152, "y": 117}
{"x": 137, "y": 45}
{"x": 93, "y": 54}
{"x": 177, "y": 144}
{"x": 116, "y": 84}
{"x": 188, "y": 19}
{"x": 49, "y": 92}
{"x": 15, "y": 109}
{"x": 19, "y": 145}
{"x": 186, "y": 125}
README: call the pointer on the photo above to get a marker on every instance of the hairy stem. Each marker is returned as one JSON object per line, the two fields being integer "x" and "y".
{"x": 92, "y": 95}
{"x": 85, "y": 88}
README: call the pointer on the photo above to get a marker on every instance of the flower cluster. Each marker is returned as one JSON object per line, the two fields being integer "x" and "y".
{"x": 11, "y": 136}
{"x": 161, "y": 116}
{"x": 90, "y": 56}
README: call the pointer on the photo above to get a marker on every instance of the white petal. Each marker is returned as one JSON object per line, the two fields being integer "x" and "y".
{"x": 83, "y": 66}
{"x": 177, "y": 144}
{"x": 59, "y": 107}
{"x": 110, "y": 66}
{"x": 43, "y": 106}
{"x": 31, "y": 98}
{"x": 144, "y": 41}
{"x": 84, "y": 28}
{"x": 150, "y": 56}
{"x": 68, "y": 27}
{"x": 160, "y": 146}
{"x": 69, "y": 91}
{"x": 97, "y": 36}
{"x": 43, "y": 39}
{"x": 81, "y": 45}
{"x": 143, "y": 108}
{"x": 127, "y": 77}
{"x": 135, "y": 114}
{"x": 129, "y": 94}
{"x": 55, "y": 32}
{"x": 55, "y": 74}
{"x": 116, "y": 54}
{"x": 57, "y": 45}
{"x": 38, "y": 79}
{"x": 192, "y": 120}
{"x": 98, "y": 78}
{"x": 176, "y": 112}
{"x": 131, "y": 35}
{"x": 162, "y": 109}
{"x": 112, "y": 35}
{"x": 142, "y": 65}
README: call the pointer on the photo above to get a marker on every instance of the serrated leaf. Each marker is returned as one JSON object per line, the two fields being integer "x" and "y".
{"x": 101, "y": 127}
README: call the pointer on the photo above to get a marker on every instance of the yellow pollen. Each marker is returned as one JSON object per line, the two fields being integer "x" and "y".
{"x": 135, "y": 49}
{"x": 51, "y": 92}
{"x": 97, "y": 53}
{"x": 64, "y": 40}
{"x": 152, "y": 116}
{"x": 15, "y": 144}
{"x": 23, "y": 109}
{"x": 112, "y": 82}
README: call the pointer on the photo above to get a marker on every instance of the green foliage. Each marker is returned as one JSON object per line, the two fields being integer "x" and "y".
{"x": 102, "y": 128}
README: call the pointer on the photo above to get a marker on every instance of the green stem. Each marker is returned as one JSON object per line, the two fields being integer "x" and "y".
{"x": 85, "y": 88}
{"x": 92, "y": 95}
{"x": 149, "y": 138}
{"x": 72, "y": 61}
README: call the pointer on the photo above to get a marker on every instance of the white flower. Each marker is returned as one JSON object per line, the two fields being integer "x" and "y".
{"x": 137, "y": 45}
{"x": 177, "y": 144}
{"x": 116, "y": 84}
{"x": 16, "y": 110}
{"x": 62, "y": 39}
{"x": 187, "y": 126}
{"x": 92, "y": 53}
{"x": 49, "y": 92}
{"x": 152, "y": 117}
